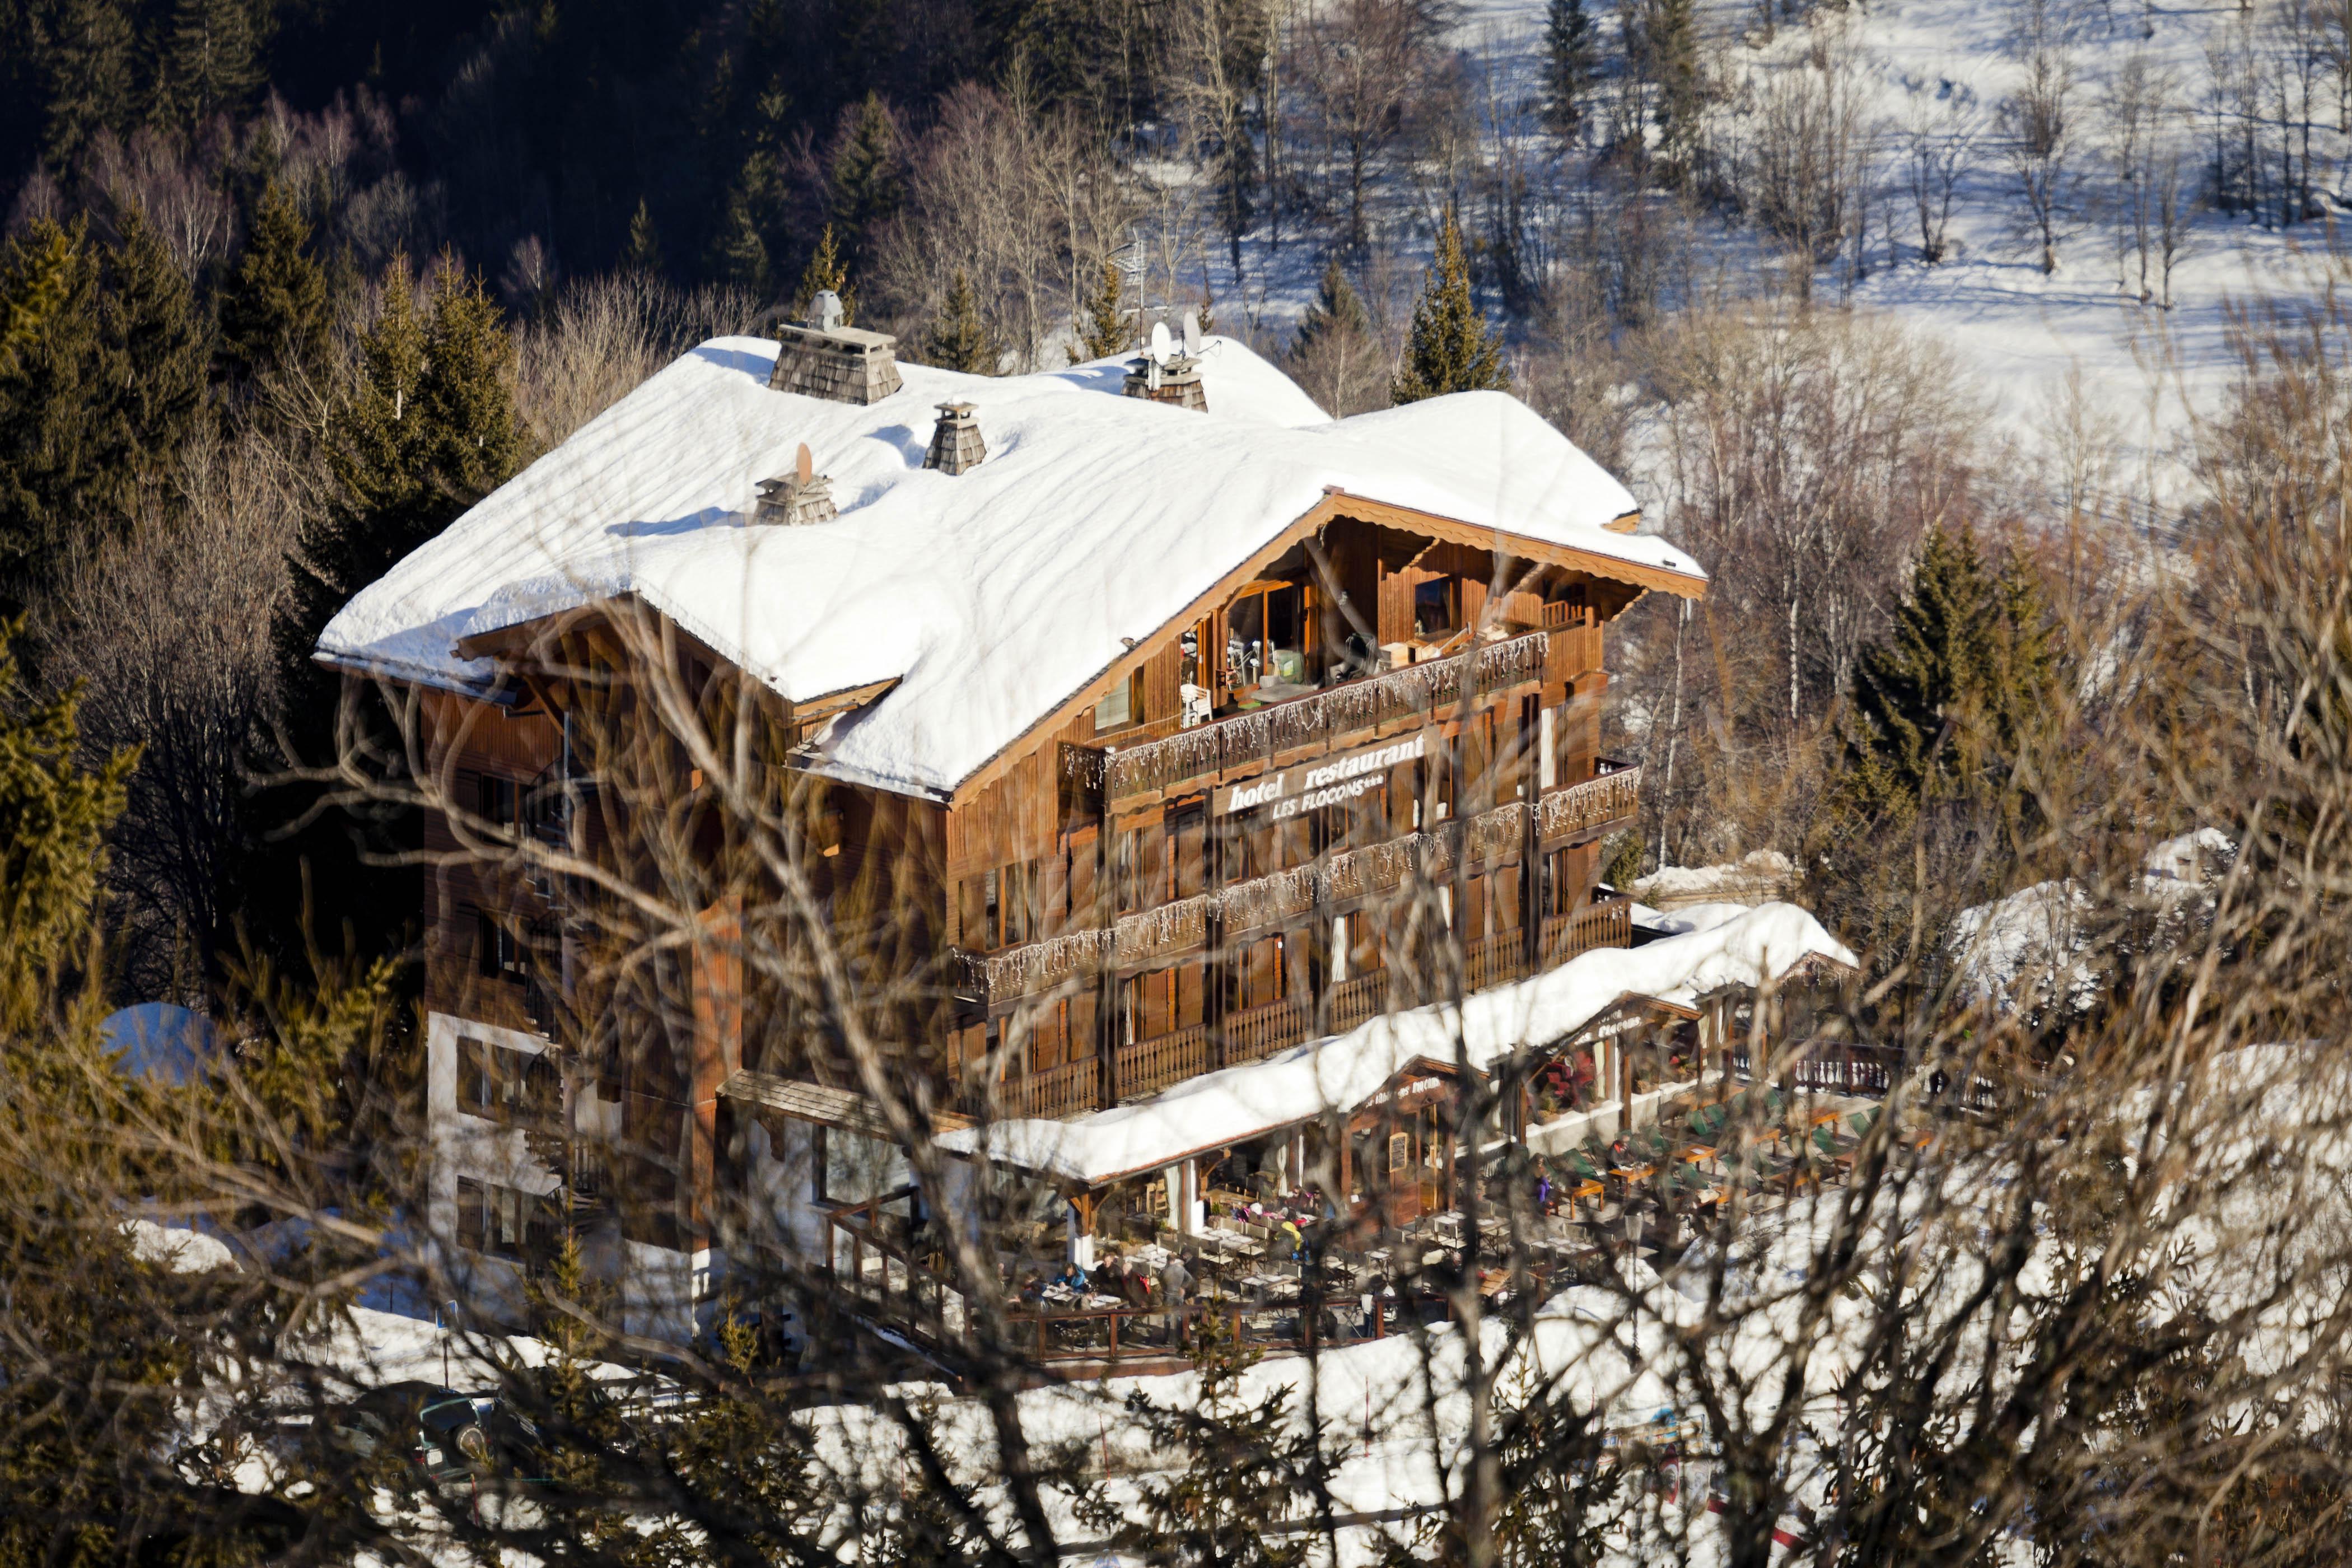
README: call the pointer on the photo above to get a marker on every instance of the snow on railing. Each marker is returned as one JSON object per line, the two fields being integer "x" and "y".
{"x": 1321, "y": 717}
{"x": 1614, "y": 796}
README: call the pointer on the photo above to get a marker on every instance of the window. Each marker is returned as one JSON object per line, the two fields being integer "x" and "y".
{"x": 1122, "y": 708}
{"x": 497, "y": 950}
{"x": 496, "y": 800}
{"x": 1266, "y": 637}
{"x": 1436, "y": 607}
{"x": 507, "y": 1222}
{"x": 504, "y": 1084}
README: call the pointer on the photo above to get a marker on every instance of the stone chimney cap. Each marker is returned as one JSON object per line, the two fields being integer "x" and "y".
{"x": 956, "y": 408}
{"x": 956, "y": 442}
{"x": 825, "y": 312}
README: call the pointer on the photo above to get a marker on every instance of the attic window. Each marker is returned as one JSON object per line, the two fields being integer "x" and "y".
{"x": 1435, "y": 606}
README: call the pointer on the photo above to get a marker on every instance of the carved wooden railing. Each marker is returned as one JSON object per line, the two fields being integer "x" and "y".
{"x": 1072, "y": 1089}
{"x": 1033, "y": 967}
{"x": 1354, "y": 1001}
{"x": 1149, "y": 1065}
{"x": 1173, "y": 928}
{"x": 1614, "y": 797}
{"x": 1262, "y": 1030}
{"x": 1606, "y": 924}
{"x": 1494, "y": 960}
{"x": 1266, "y": 901}
{"x": 1321, "y": 718}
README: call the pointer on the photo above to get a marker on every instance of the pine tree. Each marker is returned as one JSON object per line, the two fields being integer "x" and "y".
{"x": 1335, "y": 356}
{"x": 1572, "y": 46}
{"x": 1206, "y": 315}
{"x": 1338, "y": 310}
{"x": 1671, "y": 58}
{"x": 960, "y": 339}
{"x": 65, "y": 465}
{"x": 54, "y": 816}
{"x": 1949, "y": 697}
{"x": 826, "y": 271}
{"x": 741, "y": 255}
{"x": 428, "y": 430}
{"x": 87, "y": 75}
{"x": 207, "y": 62}
{"x": 864, "y": 175}
{"x": 1450, "y": 349}
{"x": 643, "y": 254}
{"x": 1103, "y": 329}
{"x": 274, "y": 312}
{"x": 156, "y": 349}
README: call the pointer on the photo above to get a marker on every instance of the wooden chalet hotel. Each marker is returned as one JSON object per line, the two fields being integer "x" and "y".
{"x": 1150, "y": 727}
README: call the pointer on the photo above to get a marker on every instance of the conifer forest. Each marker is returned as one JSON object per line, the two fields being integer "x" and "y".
{"x": 527, "y": 1040}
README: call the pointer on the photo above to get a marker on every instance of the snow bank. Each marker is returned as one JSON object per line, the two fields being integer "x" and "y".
{"x": 993, "y": 596}
{"x": 1759, "y": 877}
{"x": 1746, "y": 947}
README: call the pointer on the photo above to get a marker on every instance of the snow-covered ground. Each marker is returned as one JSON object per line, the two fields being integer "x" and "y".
{"x": 2084, "y": 377}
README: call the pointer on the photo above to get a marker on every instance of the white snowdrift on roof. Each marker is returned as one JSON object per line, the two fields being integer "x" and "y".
{"x": 996, "y": 594}
{"x": 1746, "y": 947}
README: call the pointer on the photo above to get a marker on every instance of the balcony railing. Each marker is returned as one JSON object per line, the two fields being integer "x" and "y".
{"x": 1494, "y": 960}
{"x": 1317, "y": 720}
{"x": 1354, "y": 1001}
{"x": 1606, "y": 924}
{"x": 1262, "y": 1030}
{"x": 1595, "y": 805}
{"x": 1150, "y": 1066}
{"x": 1189, "y": 924}
{"x": 1072, "y": 1089}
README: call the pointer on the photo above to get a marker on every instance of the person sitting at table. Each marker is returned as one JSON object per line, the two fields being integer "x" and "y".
{"x": 1073, "y": 1278}
{"x": 1033, "y": 1286}
{"x": 1292, "y": 1241}
{"x": 1105, "y": 1280}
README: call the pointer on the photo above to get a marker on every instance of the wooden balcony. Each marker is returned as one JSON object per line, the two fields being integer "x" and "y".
{"x": 1305, "y": 726}
{"x": 1260, "y": 1031}
{"x": 1495, "y": 960}
{"x": 1354, "y": 1001}
{"x": 1070, "y": 1089}
{"x": 1150, "y": 1066}
{"x": 1589, "y": 809}
{"x": 1608, "y": 922}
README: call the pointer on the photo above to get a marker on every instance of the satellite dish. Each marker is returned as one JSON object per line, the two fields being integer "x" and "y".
{"x": 1193, "y": 333}
{"x": 1160, "y": 345}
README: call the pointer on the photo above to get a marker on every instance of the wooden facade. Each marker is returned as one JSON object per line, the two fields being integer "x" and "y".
{"x": 1361, "y": 773}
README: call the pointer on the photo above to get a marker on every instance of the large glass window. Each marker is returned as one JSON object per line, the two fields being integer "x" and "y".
{"x": 1266, "y": 643}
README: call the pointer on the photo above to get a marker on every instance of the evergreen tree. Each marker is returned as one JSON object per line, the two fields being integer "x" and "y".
{"x": 1337, "y": 311}
{"x": 1450, "y": 349}
{"x": 1103, "y": 328}
{"x": 1949, "y": 697}
{"x": 1572, "y": 46}
{"x": 157, "y": 351}
{"x": 274, "y": 312}
{"x": 741, "y": 255}
{"x": 960, "y": 339}
{"x": 207, "y": 62}
{"x": 53, "y": 820}
{"x": 826, "y": 271}
{"x": 429, "y": 429}
{"x": 1670, "y": 57}
{"x": 1206, "y": 315}
{"x": 87, "y": 75}
{"x": 643, "y": 254}
{"x": 64, "y": 463}
{"x": 866, "y": 175}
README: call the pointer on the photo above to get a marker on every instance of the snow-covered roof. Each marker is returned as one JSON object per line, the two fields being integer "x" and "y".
{"x": 1735, "y": 946}
{"x": 991, "y": 597}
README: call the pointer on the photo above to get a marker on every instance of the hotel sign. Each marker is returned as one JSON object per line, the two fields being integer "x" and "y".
{"x": 1334, "y": 781}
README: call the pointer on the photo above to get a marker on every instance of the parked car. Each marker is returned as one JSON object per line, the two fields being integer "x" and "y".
{"x": 454, "y": 1438}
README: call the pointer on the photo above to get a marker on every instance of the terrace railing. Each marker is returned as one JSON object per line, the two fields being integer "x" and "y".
{"x": 1605, "y": 923}
{"x": 1150, "y": 1066}
{"x": 1317, "y": 720}
{"x": 1593, "y": 807}
{"x": 1260, "y": 1031}
{"x": 1073, "y": 1089}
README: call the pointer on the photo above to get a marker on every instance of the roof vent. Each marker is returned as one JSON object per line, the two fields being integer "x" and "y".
{"x": 802, "y": 496}
{"x": 955, "y": 440}
{"x": 825, "y": 359}
{"x": 1165, "y": 375}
